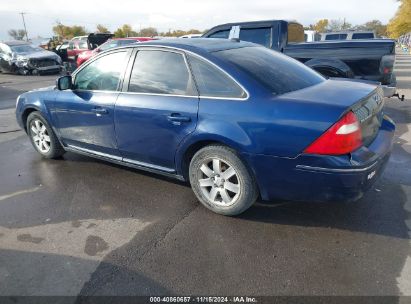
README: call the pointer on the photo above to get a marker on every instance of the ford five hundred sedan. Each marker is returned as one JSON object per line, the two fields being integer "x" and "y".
{"x": 238, "y": 121}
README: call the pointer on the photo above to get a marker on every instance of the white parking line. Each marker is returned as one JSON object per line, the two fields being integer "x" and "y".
{"x": 4, "y": 197}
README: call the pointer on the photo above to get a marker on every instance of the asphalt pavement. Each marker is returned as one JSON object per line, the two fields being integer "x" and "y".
{"x": 79, "y": 226}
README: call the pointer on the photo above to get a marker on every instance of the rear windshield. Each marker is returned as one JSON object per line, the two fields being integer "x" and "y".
{"x": 277, "y": 72}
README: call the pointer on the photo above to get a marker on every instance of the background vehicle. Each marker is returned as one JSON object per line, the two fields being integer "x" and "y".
{"x": 115, "y": 42}
{"x": 311, "y": 36}
{"x": 79, "y": 44}
{"x": 348, "y": 35}
{"x": 24, "y": 58}
{"x": 371, "y": 60}
{"x": 235, "y": 119}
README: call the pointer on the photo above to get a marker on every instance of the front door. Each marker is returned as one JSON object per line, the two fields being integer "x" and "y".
{"x": 85, "y": 114}
{"x": 156, "y": 110}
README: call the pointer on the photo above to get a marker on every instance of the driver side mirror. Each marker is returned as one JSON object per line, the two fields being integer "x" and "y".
{"x": 64, "y": 83}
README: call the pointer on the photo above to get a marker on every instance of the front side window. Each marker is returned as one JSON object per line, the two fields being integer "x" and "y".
{"x": 160, "y": 72}
{"x": 257, "y": 35}
{"x": 212, "y": 82}
{"x": 103, "y": 74}
{"x": 278, "y": 73}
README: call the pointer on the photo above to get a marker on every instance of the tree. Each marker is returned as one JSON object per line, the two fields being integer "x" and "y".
{"x": 338, "y": 25}
{"x": 125, "y": 31}
{"x": 401, "y": 23}
{"x": 17, "y": 34}
{"x": 67, "y": 32}
{"x": 320, "y": 26}
{"x": 148, "y": 32}
{"x": 102, "y": 29}
{"x": 373, "y": 25}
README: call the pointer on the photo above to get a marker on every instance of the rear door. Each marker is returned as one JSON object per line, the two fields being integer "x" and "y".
{"x": 156, "y": 109}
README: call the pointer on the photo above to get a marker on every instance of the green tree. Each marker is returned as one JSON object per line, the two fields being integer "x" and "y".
{"x": 401, "y": 23}
{"x": 125, "y": 31}
{"x": 339, "y": 25}
{"x": 67, "y": 32}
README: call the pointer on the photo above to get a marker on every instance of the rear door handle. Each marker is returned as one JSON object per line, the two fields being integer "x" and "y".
{"x": 99, "y": 111}
{"x": 178, "y": 118}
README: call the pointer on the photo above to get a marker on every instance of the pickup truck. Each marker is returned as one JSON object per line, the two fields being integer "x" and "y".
{"x": 369, "y": 60}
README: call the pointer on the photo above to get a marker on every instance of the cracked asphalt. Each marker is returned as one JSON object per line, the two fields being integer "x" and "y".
{"x": 80, "y": 226}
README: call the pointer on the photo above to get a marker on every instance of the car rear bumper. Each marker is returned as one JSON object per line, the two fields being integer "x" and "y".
{"x": 316, "y": 178}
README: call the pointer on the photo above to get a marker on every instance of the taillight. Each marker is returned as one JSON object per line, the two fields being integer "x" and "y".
{"x": 342, "y": 138}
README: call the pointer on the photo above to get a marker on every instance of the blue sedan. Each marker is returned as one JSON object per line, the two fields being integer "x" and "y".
{"x": 238, "y": 121}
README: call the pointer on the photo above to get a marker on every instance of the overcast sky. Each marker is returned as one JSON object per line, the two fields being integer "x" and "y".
{"x": 179, "y": 14}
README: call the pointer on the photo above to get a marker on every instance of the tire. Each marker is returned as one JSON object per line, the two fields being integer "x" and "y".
{"x": 221, "y": 181}
{"x": 44, "y": 141}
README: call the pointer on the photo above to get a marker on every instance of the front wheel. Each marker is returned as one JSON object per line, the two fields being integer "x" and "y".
{"x": 221, "y": 181}
{"x": 42, "y": 136}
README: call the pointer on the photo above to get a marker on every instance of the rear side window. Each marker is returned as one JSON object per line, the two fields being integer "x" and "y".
{"x": 363, "y": 36}
{"x": 160, "y": 72}
{"x": 277, "y": 72}
{"x": 212, "y": 82}
{"x": 220, "y": 34}
{"x": 257, "y": 35}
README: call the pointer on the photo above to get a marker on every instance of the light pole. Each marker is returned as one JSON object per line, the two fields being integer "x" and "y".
{"x": 24, "y": 23}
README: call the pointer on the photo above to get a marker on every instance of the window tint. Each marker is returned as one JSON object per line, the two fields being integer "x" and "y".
{"x": 160, "y": 72}
{"x": 220, "y": 34}
{"x": 212, "y": 82}
{"x": 82, "y": 45}
{"x": 363, "y": 36}
{"x": 102, "y": 74}
{"x": 277, "y": 72}
{"x": 257, "y": 35}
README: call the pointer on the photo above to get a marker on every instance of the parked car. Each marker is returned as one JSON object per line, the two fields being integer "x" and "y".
{"x": 348, "y": 35}
{"x": 23, "y": 58}
{"x": 78, "y": 45}
{"x": 371, "y": 60}
{"x": 236, "y": 120}
{"x": 115, "y": 42}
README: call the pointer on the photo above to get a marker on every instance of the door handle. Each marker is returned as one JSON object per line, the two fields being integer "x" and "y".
{"x": 178, "y": 118}
{"x": 99, "y": 111}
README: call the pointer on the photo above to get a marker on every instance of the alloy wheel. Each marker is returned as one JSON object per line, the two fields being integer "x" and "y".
{"x": 40, "y": 136}
{"x": 219, "y": 182}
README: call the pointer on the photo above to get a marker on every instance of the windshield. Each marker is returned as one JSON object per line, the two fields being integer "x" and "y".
{"x": 277, "y": 72}
{"x": 25, "y": 48}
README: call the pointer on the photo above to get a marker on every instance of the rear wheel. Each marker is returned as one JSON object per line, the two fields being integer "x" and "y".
{"x": 221, "y": 181}
{"x": 42, "y": 136}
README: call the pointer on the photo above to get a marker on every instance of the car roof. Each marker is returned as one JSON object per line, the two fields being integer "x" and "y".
{"x": 16, "y": 42}
{"x": 199, "y": 44}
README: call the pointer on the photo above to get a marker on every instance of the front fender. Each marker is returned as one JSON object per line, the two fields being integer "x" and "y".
{"x": 36, "y": 100}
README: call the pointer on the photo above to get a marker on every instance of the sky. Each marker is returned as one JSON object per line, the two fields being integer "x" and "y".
{"x": 178, "y": 14}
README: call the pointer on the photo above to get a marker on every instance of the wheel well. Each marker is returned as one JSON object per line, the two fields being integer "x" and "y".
{"x": 189, "y": 153}
{"x": 26, "y": 114}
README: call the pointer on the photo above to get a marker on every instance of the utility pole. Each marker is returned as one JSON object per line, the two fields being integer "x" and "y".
{"x": 24, "y": 23}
